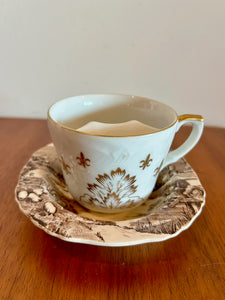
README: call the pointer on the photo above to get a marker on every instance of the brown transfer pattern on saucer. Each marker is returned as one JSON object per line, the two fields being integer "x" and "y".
{"x": 42, "y": 195}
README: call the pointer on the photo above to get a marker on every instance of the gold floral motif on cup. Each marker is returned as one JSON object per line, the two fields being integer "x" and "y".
{"x": 114, "y": 190}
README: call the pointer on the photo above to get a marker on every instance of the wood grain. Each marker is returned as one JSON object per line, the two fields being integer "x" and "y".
{"x": 34, "y": 265}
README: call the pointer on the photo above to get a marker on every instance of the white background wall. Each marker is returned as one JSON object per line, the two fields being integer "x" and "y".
{"x": 172, "y": 51}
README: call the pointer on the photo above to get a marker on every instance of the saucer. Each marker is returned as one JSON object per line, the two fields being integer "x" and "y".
{"x": 43, "y": 197}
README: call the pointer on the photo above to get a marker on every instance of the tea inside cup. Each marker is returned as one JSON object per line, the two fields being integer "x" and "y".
{"x": 129, "y": 128}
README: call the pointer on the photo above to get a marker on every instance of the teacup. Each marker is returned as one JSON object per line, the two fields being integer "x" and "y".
{"x": 112, "y": 173}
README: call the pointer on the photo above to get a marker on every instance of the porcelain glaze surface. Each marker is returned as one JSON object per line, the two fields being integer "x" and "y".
{"x": 115, "y": 173}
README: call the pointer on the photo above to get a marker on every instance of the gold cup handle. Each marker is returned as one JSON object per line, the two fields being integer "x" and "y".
{"x": 197, "y": 122}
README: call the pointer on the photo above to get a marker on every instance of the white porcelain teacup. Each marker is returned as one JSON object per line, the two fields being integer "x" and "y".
{"x": 109, "y": 172}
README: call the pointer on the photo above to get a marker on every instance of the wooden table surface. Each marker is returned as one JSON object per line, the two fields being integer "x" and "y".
{"x": 34, "y": 265}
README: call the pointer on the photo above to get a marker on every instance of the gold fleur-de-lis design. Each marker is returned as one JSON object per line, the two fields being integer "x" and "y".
{"x": 85, "y": 162}
{"x": 65, "y": 166}
{"x": 145, "y": 163}
{"x": 157, "y": 170}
